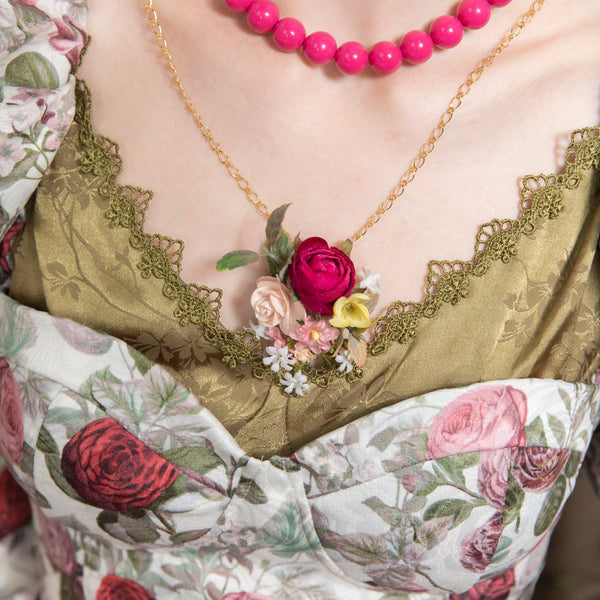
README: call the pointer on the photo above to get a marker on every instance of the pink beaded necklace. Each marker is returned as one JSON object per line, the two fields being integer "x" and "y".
{"x": 351, "y": 58}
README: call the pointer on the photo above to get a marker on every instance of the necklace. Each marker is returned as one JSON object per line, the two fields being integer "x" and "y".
{"x": 351, "y": 58}
{"x": 315, "y": 306}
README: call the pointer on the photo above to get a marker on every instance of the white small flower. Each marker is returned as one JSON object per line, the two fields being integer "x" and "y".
{"x": 279, "y": 359}
{"x": 369, "y": 281}
{"x": 295, "y": 384}
{"x": 344, "y": 358}
{"x": 259, "y": 329}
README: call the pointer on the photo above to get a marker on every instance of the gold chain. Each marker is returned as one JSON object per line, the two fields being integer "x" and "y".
{"x": 418, "y": 161}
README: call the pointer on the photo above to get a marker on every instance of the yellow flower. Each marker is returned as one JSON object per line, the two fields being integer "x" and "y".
{"x": 351, "y": 312}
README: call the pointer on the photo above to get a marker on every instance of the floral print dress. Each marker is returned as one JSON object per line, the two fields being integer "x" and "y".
{"x": 135, "y": 491}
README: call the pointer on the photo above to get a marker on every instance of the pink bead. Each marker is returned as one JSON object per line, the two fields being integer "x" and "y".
{"x": 385, "y": 57}
{"x": 446, "y": 31}
{"x": 238, "y": 5}
{"x": 498, "y": 2}
{"x": 416, "y": 46}
{"x": 262, "y": 16}
{"x": 289, "y": 34}
{"x": 351, "y": 58}
{"x": 473, "y": 14}
{"x": 319, "y": 47}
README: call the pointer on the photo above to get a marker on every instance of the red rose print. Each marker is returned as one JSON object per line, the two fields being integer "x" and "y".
{"x": 244, "y": 596}
{"x": 11, "y": 415}
{"x": 538, "y": 468}
{"x": 320, "y": 275}
{"x": 478, "y": 547}
{"x": 492, "y": 589}
{"x": 484, "y": 418}
{"x": 118, "y": 588}
{"x": 111, "y": 469}
{"x": 6, "y": 245}
{"x": 15, "y": 510}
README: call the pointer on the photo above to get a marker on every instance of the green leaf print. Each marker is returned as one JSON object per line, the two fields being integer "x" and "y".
{"x": 513, "y": 501}
{"x": 251, "y": 492}
{"x": 558, "y": 429}
{"x": 18, "y": 331}
{"x": 552, "y": 505}
{"x": 135, "y": 526}
{"x": 32, "y": 70}
{"x": 286, "y": 533}
{"x": 142, "y": 364}
{"x": 199, "y": 459}
{"x": 388, "y": 514}
{"x": 455, "y": 507}
{"x": 536, "y": 436}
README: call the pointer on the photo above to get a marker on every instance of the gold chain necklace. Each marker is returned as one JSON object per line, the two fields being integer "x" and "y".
{"x": 417, "y": 162}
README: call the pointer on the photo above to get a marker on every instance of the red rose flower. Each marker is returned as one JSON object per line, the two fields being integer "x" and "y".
{"x": 538, "y": 468}
{"x": 111, "y": 469}
{"x": 492, "y": 589}
{"x": 320, "y": 275}
{"x": 11, "y": 415}
{"x": 14, "y": 504}
{"x": 118, "y": 588}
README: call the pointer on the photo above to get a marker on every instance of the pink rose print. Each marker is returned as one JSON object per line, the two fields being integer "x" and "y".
{"x": 245, "y": 596}
{"x": 485, "y": 418}
{"x": 478, "y": 547}
{"x": 538, "y": 468}
{"x": 492, "y": 476}
{"x": 69, "y": 39}
{"x": 11, "y": 415}
{"x": 492, "y": 589}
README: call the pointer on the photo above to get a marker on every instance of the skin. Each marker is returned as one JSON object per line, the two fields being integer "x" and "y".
{"x": 335, "y": 145}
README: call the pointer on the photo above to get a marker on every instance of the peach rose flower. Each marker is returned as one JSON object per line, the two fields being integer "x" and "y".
{"x": 273, "y": 306}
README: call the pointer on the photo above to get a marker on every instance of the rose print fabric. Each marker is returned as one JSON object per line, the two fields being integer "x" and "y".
{"x": 124, "y": 486}
{"x": 139, "y": 492}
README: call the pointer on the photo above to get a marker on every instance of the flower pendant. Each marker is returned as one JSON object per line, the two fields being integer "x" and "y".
{"x": 314, "y": 306}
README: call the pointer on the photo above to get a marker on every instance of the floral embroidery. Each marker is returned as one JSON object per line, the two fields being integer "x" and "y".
{"x": 311, "y": 306}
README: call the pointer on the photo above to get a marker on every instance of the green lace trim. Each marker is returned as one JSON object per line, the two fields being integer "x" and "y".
{"x": 447, "y": 281}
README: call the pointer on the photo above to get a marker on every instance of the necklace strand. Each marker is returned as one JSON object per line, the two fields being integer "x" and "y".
{"x": 417, "y": 162}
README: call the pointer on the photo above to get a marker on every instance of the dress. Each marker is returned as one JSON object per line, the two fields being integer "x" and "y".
{"x": 399, "y": 486}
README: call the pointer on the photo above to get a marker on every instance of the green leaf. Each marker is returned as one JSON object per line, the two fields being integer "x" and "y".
{"x": 46, "y": 443}
{"x": 552, "y": 505}
{"x": 199, "y": 459}
{"x": 249, "y": 490}
{"x": 536, "y": 436}
{"x": 134, "y": 527}
{"x": 284, "y": 464}
{"x": 188, "y": 536}
{"x": 273, "y": 229}
{"x": 513, "y": 500}
{"x": 142, "y": 363}
{"x": 237, "y": 258}
{"x": 573, "y": 464}
{"x": 456, "y": 508}
{"x": 558, "y": 428}
{"x": 383, "y": 439}
{"x": 388, "y": 514}
{"x": 31, "y": 69}
{"x": 67, "y": 591}
{"x": 346, "y": 247}
{"x": 455, "y": 465}
{"x": 30, "y": 19}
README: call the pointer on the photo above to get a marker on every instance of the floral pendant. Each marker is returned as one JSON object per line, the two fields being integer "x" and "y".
{"x": 313, "y": 308}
